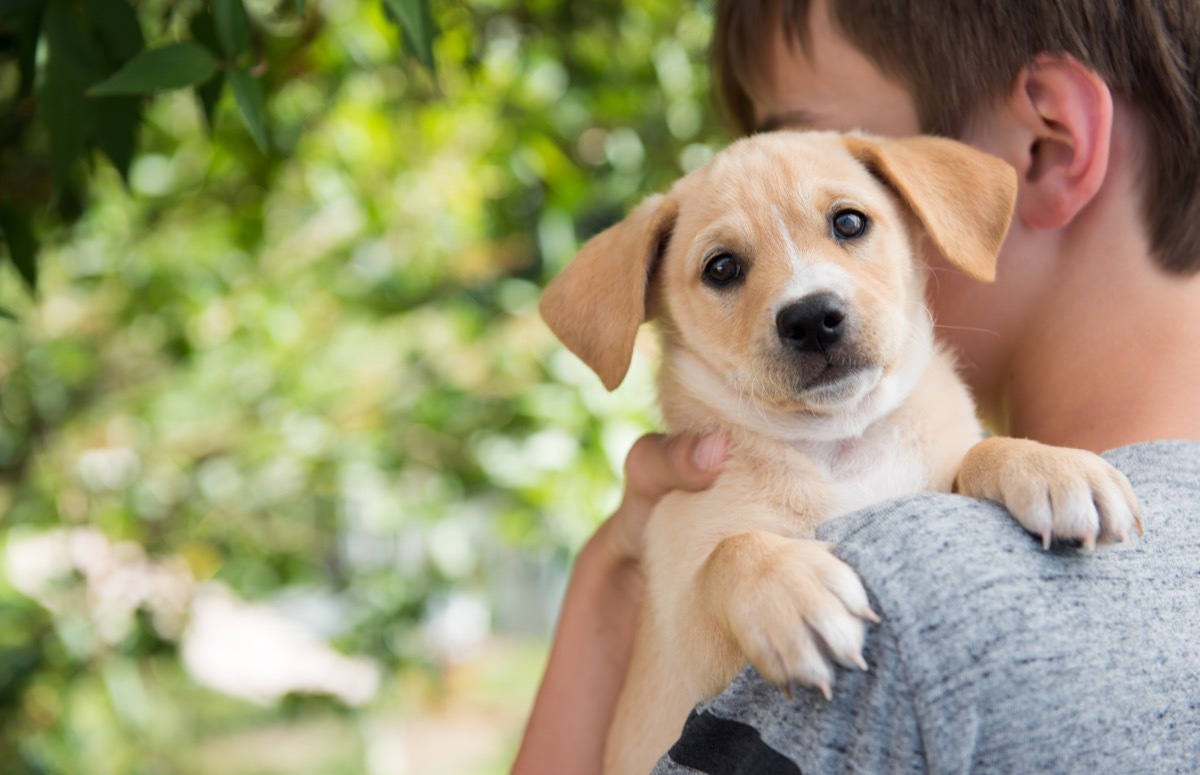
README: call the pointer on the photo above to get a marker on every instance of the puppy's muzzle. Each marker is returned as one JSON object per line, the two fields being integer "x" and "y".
{"x": 815, "y": 324}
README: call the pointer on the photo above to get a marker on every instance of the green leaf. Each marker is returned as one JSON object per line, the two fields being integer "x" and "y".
{"x": 209, "y": 93}
{"x": 248, "y": 92}
{"x": 15, "y": 7}
{"x": 27, "y": 29}
{"x": 204, "y": 31}
{"x": 7, "y": 315}
{"x": 117, "y": 28}
{"x": 22, "y": 244}
{"x": 233, "y": 28}
{"x": 70, "y": 67}
{"x": 118, "y": 119}
{"x": 172, "y": 66}
{"x": 416, "y": 22}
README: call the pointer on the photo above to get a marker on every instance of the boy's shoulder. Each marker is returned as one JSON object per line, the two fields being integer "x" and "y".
{"x": 1165, "y": 476}
{"x": 938, "y": 562}
{"x": 994, "y": 653}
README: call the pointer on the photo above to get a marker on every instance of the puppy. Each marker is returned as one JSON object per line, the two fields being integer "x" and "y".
{"x": 784, "y": 281}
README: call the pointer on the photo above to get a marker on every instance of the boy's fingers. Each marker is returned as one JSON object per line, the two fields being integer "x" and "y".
{"x": 658, "y": 464}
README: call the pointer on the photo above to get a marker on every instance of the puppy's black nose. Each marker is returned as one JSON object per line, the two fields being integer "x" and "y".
{"x": 814, "y": 324}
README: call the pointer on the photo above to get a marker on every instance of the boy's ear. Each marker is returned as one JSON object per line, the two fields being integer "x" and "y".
{"x": 1063, "y": 113}
{"x": 597, "y": 302}
{"x": 963, "y": 197}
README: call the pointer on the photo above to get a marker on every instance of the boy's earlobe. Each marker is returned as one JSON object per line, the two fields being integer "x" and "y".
{"x": 1065, "y": 113}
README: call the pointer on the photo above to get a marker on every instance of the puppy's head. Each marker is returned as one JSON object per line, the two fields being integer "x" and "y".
{"x": 785, "y": 267}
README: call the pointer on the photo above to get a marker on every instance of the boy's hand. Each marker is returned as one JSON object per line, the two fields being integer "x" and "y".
{"x": 656, "y": 465}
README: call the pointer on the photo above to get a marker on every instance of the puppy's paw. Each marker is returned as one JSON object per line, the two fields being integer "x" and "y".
{"x": 800, "y": 611}
{"x": 1054, "y": 492}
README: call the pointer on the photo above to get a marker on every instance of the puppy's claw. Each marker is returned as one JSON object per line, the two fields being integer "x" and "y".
{"x": 1046, "y": 539}
{"x": 861, "y": 663}
{"x": 1137, "y": 521}
{"x": 798, "y": 615}
{"x": 783, "y": 672}
{"x": 869, "y": 615}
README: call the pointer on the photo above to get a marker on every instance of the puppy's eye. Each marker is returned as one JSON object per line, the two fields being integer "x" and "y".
{"x": 721, "y": 270}
{"x": 848, "y": 224}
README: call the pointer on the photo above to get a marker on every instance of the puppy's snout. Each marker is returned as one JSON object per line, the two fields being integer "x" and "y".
{"x": 813, "y": 324}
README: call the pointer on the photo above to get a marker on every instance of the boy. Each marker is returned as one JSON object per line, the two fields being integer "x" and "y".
{"x": 992, "y": 654}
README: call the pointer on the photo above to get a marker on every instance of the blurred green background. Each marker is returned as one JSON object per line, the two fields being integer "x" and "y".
{"x": 291, "y": 473}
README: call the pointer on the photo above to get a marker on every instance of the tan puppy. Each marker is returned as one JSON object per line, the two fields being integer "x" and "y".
{"x": 783, "y": 280}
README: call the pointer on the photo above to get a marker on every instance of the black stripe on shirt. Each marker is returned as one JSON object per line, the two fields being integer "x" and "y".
{"x": 719, "y": 746}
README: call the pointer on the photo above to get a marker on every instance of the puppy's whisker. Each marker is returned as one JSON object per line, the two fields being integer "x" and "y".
{"x": 747, "y": 393}
{"x": 929, "y": 315}
{"x": 932, "y": 275}
{"x": 762, "y": 412}
{"x": 912, "y": 328}
{"x": 968, "y": 328}
{"x": 758, "y": 390}
{"x": 923, "y": 307}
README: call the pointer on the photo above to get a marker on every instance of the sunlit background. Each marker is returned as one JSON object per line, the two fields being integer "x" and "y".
{"x": 291, "y": 473}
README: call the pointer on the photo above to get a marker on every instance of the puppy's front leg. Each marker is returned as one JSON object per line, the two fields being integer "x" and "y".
{"x": 1052, "y": 491}
{"x": 791, "y": 606}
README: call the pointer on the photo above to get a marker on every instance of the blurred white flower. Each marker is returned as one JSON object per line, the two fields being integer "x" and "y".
{"x": 242, "y": 649}
{"x": 455, "y": 628}
{"x": 252, "y": 651}
{"x": 34, "y": 561}
{"x": 108, "y": 468}
{"x": 117, "y": 580}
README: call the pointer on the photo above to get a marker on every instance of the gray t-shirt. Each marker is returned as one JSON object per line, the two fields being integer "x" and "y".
{"x": 994, "y": 655}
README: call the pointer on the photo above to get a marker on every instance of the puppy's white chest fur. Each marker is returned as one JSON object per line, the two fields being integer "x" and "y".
{"x": 881, "y": 464}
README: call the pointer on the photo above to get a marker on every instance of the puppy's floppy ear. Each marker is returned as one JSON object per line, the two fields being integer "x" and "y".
{"x": 963, "y": 197}
{"x": 597, "y": 302}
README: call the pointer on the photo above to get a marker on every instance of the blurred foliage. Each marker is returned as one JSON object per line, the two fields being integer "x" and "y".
{"x": 77, "y": 71}
{"x": 284, "y": 338}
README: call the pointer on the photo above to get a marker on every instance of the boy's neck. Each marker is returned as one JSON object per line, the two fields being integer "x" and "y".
{"x": 1116, "y": 359}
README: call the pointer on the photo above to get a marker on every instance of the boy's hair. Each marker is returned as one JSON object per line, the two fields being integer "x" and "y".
{"x": 956, "y": 55}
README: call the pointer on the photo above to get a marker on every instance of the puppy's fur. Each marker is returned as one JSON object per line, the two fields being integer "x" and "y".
{"x": 809, "y": 344}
